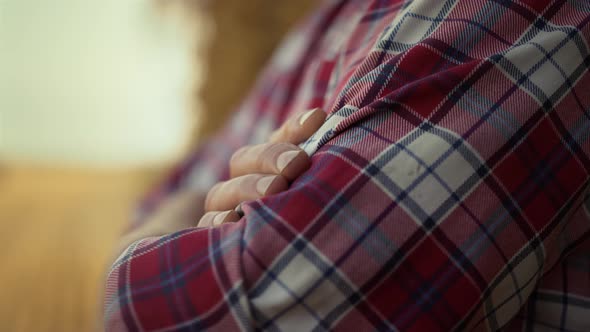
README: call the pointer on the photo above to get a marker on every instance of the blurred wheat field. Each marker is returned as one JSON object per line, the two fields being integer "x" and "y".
{"x": 57, "y": 228}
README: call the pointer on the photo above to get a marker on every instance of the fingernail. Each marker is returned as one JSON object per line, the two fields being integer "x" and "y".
{"x": 218, "y": 220}
{"x": 263, "y": 184}
{"x": 306, "y": 116}
{"x": 285, "y": 158}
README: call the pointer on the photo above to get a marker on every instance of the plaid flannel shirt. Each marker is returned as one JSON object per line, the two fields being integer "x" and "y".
{"x": 447, "y": 189}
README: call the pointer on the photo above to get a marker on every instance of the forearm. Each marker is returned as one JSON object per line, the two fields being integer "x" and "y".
{"x": 180, "y": 211}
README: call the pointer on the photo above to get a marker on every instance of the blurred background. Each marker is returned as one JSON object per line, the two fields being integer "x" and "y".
{"x": 97, "y": 101}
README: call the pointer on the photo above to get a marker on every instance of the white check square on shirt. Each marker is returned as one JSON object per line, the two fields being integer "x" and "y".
{"x": 425, "y": 170}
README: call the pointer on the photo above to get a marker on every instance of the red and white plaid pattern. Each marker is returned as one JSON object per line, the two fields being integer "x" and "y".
{"x": 448, "y": 186}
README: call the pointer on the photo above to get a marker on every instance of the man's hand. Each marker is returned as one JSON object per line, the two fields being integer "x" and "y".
{"x": 260, "y": 170}
{"x": 256, "y": 171}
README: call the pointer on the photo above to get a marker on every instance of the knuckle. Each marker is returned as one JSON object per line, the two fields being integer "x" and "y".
{"x": 210, "y": 198}
{"x": 267, "y": 160}
{"x": 274, "y": 149}
{"x": 285, "y": 133}
{"x": 247, "y": 181}
{"x": 275, "y": 136}
{"x": 236, "y": 188}
{"x": 238, "y": 155}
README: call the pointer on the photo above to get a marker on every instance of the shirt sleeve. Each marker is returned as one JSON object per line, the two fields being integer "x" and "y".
{"x": 416, "y": 232}
{"x": 434, "y": 202}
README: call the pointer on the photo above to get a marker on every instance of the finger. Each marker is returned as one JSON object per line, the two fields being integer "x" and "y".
{"x": 216, "y": 218}
{"x": 300, "y": 127}
{"x": 226, "y": 195}
{"x": 285, "y": 159}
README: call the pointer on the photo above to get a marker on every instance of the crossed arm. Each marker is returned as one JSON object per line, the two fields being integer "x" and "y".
{"x": 432, "y": 201}
{"x": 383, "y": 231}
{"x": 255, "y": 171}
